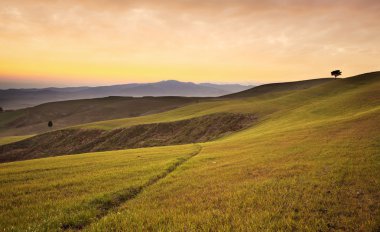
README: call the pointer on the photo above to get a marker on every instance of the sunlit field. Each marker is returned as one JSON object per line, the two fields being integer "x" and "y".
{"x": 12, "y": 139}
{"x": 310, "y": 163}
{"x": 72, "y": 191}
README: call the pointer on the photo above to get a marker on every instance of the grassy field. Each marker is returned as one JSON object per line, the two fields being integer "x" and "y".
{"x": 311, "y": 163}
{"x": 278, "y": 181}
{"x": 72, "y": 191}
{"x": 12, "y": 139}
{"x": 337, "y": 98}
{"x": 68, "y": 113}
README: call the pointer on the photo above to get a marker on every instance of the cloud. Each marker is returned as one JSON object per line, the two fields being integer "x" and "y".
{"x": 243, "y": 37}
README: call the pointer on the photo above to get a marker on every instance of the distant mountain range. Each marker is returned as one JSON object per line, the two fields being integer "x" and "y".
{"x": 21, "y": 98}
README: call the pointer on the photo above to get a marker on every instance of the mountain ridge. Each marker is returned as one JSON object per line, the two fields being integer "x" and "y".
{"x": 22, "y": 98}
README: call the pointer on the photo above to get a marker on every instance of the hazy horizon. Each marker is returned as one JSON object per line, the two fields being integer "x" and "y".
{"x": 4, "y": 84}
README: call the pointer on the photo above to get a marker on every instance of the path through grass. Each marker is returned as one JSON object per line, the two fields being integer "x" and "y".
{"x": 72, "y": 191}
{"x": 112, "y": 201}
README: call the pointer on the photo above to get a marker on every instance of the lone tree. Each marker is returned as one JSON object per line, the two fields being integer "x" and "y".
{"x": 336, "y": 73}
{"x": 50, "y": 124}
{"x": 1, "y": 110}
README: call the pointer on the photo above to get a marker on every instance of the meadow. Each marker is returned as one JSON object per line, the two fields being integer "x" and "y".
{"x": 71, "y": 191}
{"x": 12, "y": 139}
{"x": 310, "y": 163}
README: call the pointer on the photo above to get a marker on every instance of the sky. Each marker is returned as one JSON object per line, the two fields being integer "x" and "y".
{"x": 101, "y": 42}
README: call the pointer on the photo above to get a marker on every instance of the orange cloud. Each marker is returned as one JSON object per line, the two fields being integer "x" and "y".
{"x": 224, "y": 41}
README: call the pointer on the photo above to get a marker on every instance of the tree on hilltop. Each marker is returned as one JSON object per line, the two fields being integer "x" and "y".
{"x": 336, "y": 73}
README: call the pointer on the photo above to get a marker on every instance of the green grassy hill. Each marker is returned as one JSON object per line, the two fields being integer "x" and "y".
{"x": 279, "y": 87}
{"x": 311, "y": 162}
{"x": 336, "y": 97}
{"x": 74, "y": 141}
{"x": 68, "y": 113}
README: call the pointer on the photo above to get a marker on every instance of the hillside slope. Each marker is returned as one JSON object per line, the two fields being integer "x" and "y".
{"x": 73, "y": 141}
{"x": 68, "y": 113}
{"x": 271, "y": 104}
{"x": 278, "y": 87}
{"x": 311, "y": 162}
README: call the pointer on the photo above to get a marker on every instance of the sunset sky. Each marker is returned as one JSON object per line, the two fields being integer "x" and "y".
{"x": 100, "y": 42}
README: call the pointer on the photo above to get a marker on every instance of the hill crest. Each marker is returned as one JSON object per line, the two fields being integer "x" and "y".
{"x": 22, "y": 98}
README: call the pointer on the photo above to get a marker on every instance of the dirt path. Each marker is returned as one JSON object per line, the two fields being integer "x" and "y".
{"x": 115, "y": 200}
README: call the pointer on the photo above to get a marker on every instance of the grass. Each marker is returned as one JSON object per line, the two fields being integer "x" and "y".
{"x": 72, "y": 191}
{"x": 311, "y": 163}
{"x": 34, "y": 120}
{"x": 12, "y": 139}
{"x": 316, "y": 167}
{"x": 282, "y": 181}
{"x": 337, "y": 98}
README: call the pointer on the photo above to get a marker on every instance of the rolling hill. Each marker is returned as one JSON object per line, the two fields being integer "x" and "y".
{"x": 33, "y": 120}
{"x": 68, "y": 113}
{"x": 309, "y": 162}
{"x": 278, "y": 87}
{"x": 74, "y": 141}
{"x": 22, "y": 98}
